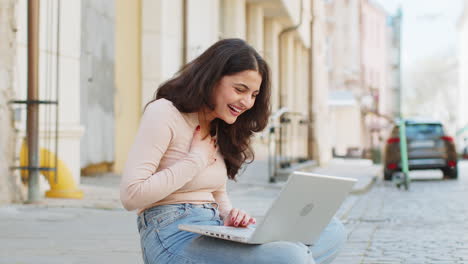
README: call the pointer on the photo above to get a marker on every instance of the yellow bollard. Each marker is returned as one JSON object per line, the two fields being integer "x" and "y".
{"x": 64, "y": 187}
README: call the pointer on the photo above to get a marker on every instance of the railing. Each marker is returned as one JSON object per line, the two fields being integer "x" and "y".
{"x": 274, "y": 133}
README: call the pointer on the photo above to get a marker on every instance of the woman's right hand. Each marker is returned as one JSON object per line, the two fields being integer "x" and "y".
{"x": 204, "y": 146}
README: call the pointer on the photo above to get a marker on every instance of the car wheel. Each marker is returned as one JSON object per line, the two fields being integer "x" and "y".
{"x": 450, "y": 173}
{"x": 387, "y": 175}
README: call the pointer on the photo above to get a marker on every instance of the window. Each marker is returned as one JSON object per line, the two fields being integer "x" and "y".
{"x": 424, "y": 130}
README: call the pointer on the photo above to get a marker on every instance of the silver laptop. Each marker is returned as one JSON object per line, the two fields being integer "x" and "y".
{"x": 301, "y": 212}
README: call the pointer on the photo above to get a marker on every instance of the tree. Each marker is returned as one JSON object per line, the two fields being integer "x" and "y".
{"x": 431, "y": 89}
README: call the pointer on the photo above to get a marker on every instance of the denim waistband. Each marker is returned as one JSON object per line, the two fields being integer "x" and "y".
{"x": 151, "y": 212}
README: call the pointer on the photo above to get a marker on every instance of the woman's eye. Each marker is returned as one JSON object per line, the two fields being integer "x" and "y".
{"x": 239, "y": 90}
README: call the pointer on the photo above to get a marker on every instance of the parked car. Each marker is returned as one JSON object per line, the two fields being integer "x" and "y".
{"x": 429, "y": 147}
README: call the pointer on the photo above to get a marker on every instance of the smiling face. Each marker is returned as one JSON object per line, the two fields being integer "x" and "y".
{"x": 235, "y": 94}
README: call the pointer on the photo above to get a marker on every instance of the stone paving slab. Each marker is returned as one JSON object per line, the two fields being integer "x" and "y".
{"x": 38, "y": 235}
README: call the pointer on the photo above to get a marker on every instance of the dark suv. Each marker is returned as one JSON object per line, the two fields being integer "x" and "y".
{"x": 428, "y": 148}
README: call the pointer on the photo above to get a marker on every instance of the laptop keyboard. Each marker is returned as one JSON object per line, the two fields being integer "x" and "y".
{"x": 229, "y": 231}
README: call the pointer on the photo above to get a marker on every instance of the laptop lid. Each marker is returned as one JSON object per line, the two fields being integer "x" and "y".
{"x": 303, "y": 208}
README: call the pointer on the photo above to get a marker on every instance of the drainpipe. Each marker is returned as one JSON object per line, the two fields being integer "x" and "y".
{"x": 310, "y": 133}
{"x": 280, "y": 48}
{"x": 184, "y": 31}
{"x": 32, "y": 100}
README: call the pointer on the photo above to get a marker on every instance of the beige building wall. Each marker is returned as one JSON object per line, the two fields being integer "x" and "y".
{"x": 11, "y": 188}
{"x": 128, "y": 100}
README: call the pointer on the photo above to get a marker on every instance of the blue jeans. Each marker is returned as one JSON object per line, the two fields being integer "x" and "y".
{"x": 162, "y": 242}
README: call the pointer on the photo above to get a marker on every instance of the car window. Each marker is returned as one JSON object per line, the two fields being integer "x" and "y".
{"x": 424, "y": 130}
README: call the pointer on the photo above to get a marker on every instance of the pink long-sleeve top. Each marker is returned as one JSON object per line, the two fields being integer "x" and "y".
{"x": 160, "y": 169}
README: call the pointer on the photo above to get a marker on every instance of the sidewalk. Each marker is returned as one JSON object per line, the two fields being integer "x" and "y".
{"x": 97, "y": 229}
{"x": 102, "y": 191}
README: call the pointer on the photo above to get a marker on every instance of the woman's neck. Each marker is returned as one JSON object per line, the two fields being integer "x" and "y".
{"x": 204, "y": 119}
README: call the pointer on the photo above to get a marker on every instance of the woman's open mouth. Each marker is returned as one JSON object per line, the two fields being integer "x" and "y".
{"x": 234, "y": 110}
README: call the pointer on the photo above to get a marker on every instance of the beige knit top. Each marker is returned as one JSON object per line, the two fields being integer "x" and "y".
{"x": 160, "y": 169}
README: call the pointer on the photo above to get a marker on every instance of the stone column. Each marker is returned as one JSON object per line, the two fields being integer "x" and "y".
{"x": 70, "y": 128}
{"x": 321, "y": 134}
{"x": 255, "y": 26}
{"x": 305, "y": 101}
{"x": 233, "y": 13}
{"x": 202, "y": 26}
{"x": 287, "y": 87}
{"x": 271, "y": 54}
{"x": 161, "y": 44}
{"x": 296, "y": 97}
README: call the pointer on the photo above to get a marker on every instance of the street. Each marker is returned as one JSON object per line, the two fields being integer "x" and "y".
{"x": 427, "y": 224}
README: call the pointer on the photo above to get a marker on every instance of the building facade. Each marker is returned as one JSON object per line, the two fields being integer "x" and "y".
{"x": 374, "y": 59}
{"x": 103, "y": 61}
{"x": 359, "y": 47}
{"x": 344, "y": 74}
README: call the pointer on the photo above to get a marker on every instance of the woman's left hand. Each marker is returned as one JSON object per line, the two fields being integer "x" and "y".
{"x": 238, "y": 218}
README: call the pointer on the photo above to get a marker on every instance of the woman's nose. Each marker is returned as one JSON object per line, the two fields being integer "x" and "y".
{"x": 247, "y": 101}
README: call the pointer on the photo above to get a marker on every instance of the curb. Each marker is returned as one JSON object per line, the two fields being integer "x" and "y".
{"x": 365, "y": 188}
{"x": 354, "y": 199}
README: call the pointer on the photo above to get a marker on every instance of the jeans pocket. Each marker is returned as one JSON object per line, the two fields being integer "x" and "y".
{"x": 166, "y": 226}
{"x": 215, "y": 214}
{"x": 169, "y": 216}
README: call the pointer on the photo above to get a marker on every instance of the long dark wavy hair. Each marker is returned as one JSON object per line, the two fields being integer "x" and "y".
{"x": 191, "y": 89}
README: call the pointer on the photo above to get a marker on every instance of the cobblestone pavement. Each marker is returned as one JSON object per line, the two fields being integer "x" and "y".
{"x": 427, "y": 224}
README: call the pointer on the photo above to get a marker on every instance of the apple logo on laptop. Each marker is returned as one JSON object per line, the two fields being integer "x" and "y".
{"x": 306, "y": 210}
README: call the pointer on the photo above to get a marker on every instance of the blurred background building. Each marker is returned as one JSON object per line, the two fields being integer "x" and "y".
{"x": 334, "y": 66}
{"x": 462, "y": 124}
{"x": 363, "y": 63}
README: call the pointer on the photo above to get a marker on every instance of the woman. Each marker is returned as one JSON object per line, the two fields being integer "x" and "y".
{"x": 192, "y": 137}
